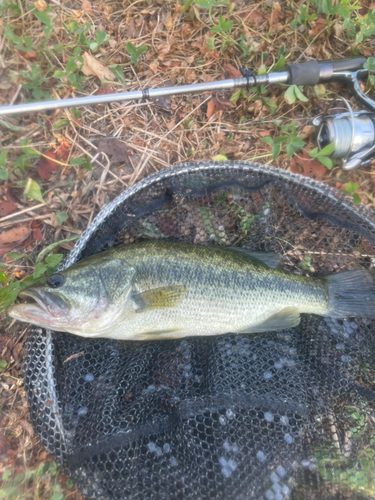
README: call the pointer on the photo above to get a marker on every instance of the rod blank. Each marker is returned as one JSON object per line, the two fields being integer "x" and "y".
{"x": 35, "y": 107}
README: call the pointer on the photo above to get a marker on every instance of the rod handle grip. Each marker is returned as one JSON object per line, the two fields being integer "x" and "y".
{"x": 313, "y": 72}
{"x": 307, "y": 73}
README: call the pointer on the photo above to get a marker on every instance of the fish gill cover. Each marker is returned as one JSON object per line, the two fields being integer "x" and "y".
{"x": 279, "y": 415}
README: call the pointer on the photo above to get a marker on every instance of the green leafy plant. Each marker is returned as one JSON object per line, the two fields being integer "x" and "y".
{"x": 356, "y": 471}
{"x": 332, "y": 8}
{"x": 61, "y": 217}
{"x": 188, "y": 123}
{"x": 3, "y": 171}
{"x": 236, "y": 95}
{"x": 204, "y": 4}
{"x": 365, "y": 24}
{"x": 20, "y": 43}
{"x": 293, "y": 141}
{"x": 101, "y": 37}
{"x": 370, "y": 66}
{"x": 45, "y": 265}
{"x": 83, "y": 162}
{"x": 293, "y": 93}
{"x": 290, "y": 140}
{"x": 275, "y": 143}
{"x": 33, "y": 483}
{"x": 350, "y": 188}
{"x": 222, "y": 25}
{"x": 71, "y": 72}
{"x": 23, "y": 161}
{"x": 303, "y": 17}
{"x": 32, "y": 190}
{"x": 323, "y": 154}
{"x": 34, "y": 81}
{"x": 134, "y": 52}
{"x": 6, "y": 5}
{"x": 211, "y": 43}
{"x": 81, "y": 40}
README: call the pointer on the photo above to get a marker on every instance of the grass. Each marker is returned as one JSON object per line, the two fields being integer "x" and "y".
{"x": 58, "y": 169}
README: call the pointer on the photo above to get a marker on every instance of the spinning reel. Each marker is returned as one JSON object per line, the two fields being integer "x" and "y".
{"x": 353, "y": 133}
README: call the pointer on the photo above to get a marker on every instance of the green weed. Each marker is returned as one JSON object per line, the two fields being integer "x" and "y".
{"x": 323, "y": 154}
{"x": 289, "y": 140}
{"x": 135, "y": 53}
{"x": 39, "y": 483}
{"x": 355, "y": 472}
{"x": 350, "y": 189}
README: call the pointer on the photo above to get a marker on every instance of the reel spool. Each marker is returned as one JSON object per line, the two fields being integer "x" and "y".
{"x": 353, "y": 134}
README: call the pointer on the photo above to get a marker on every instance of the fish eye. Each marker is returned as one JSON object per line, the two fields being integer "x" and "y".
{"x": 55, "y": 281}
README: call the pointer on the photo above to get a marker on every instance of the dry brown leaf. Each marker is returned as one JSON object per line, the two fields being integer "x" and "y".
{"x": 337, "y": 28}
{"x": 12, "y": 238}
{"x": 132, "y": 30}
{"x": 307, "y": 131}
{"x": 154, "y": 67}
{"x": 15, "y": 234}
{"x": 46, "y": 165}
{"x": 221, "y": 103}
{"x": 319, "y": 25}
{"x": 94, "y": 67}
{"x": 87, "y": 8}
{"x": 116, "y": 149}
{"x": 210, "y": 108}
{"x": 275, "y": 15}
{"x": 168, "y": 23}
{"x": 231, "y": 71}
{"x": 264, "y": 133}
{"x": 7, "y": 208}
{"x": 40, "y": 5}
{"x": 27, "y": 55}
{"x": 163, "y": 50}
{"x": 257, "y": 17}
{"x": 309, "y": 167}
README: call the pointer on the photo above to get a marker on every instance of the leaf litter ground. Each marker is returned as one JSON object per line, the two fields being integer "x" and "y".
{"x": 58, "y": 169}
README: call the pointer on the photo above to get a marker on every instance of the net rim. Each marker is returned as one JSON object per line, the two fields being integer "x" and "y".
{"x": 187, "y": 168}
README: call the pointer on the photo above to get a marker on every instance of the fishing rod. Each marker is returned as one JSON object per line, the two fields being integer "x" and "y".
{"x": 353, "y": 133}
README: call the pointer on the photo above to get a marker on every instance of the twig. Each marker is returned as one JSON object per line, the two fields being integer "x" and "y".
{"x": 2, "y": 219}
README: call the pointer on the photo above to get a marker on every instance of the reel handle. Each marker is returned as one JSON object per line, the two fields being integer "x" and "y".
{"x": 313, "y": 72}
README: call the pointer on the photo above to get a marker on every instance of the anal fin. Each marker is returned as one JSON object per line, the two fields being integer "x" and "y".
{"x": 159, "y": 335}
{"x": 286, "y": 318}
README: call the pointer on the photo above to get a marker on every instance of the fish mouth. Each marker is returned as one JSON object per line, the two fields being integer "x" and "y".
{"x": 40, "y": 307}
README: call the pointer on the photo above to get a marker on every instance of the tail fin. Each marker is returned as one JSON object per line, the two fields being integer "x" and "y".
{"x": 351, "y": 294}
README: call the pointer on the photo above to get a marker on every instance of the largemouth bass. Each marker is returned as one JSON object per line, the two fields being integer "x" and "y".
{"x": 161, "y": 289}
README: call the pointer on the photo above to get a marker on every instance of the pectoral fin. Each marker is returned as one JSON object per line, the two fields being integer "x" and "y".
{"x": 159, "y": 298}
{"x": 287, "y": 318}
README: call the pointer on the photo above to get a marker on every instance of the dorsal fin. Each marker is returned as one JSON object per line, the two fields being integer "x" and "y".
{"x": 268, "y": 259}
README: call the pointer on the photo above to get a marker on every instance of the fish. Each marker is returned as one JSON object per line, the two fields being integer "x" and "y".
{"x": 158, "y": 289}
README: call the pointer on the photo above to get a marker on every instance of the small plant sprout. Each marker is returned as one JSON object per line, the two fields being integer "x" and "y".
{"x": 134, "y": 52}
{"x": 323, "y": 154}
{"x": 351, "y": 189}
{"x": 293, "y": 93}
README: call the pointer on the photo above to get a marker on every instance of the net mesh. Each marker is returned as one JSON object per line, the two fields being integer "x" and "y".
{"x": 273, "y": 416}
